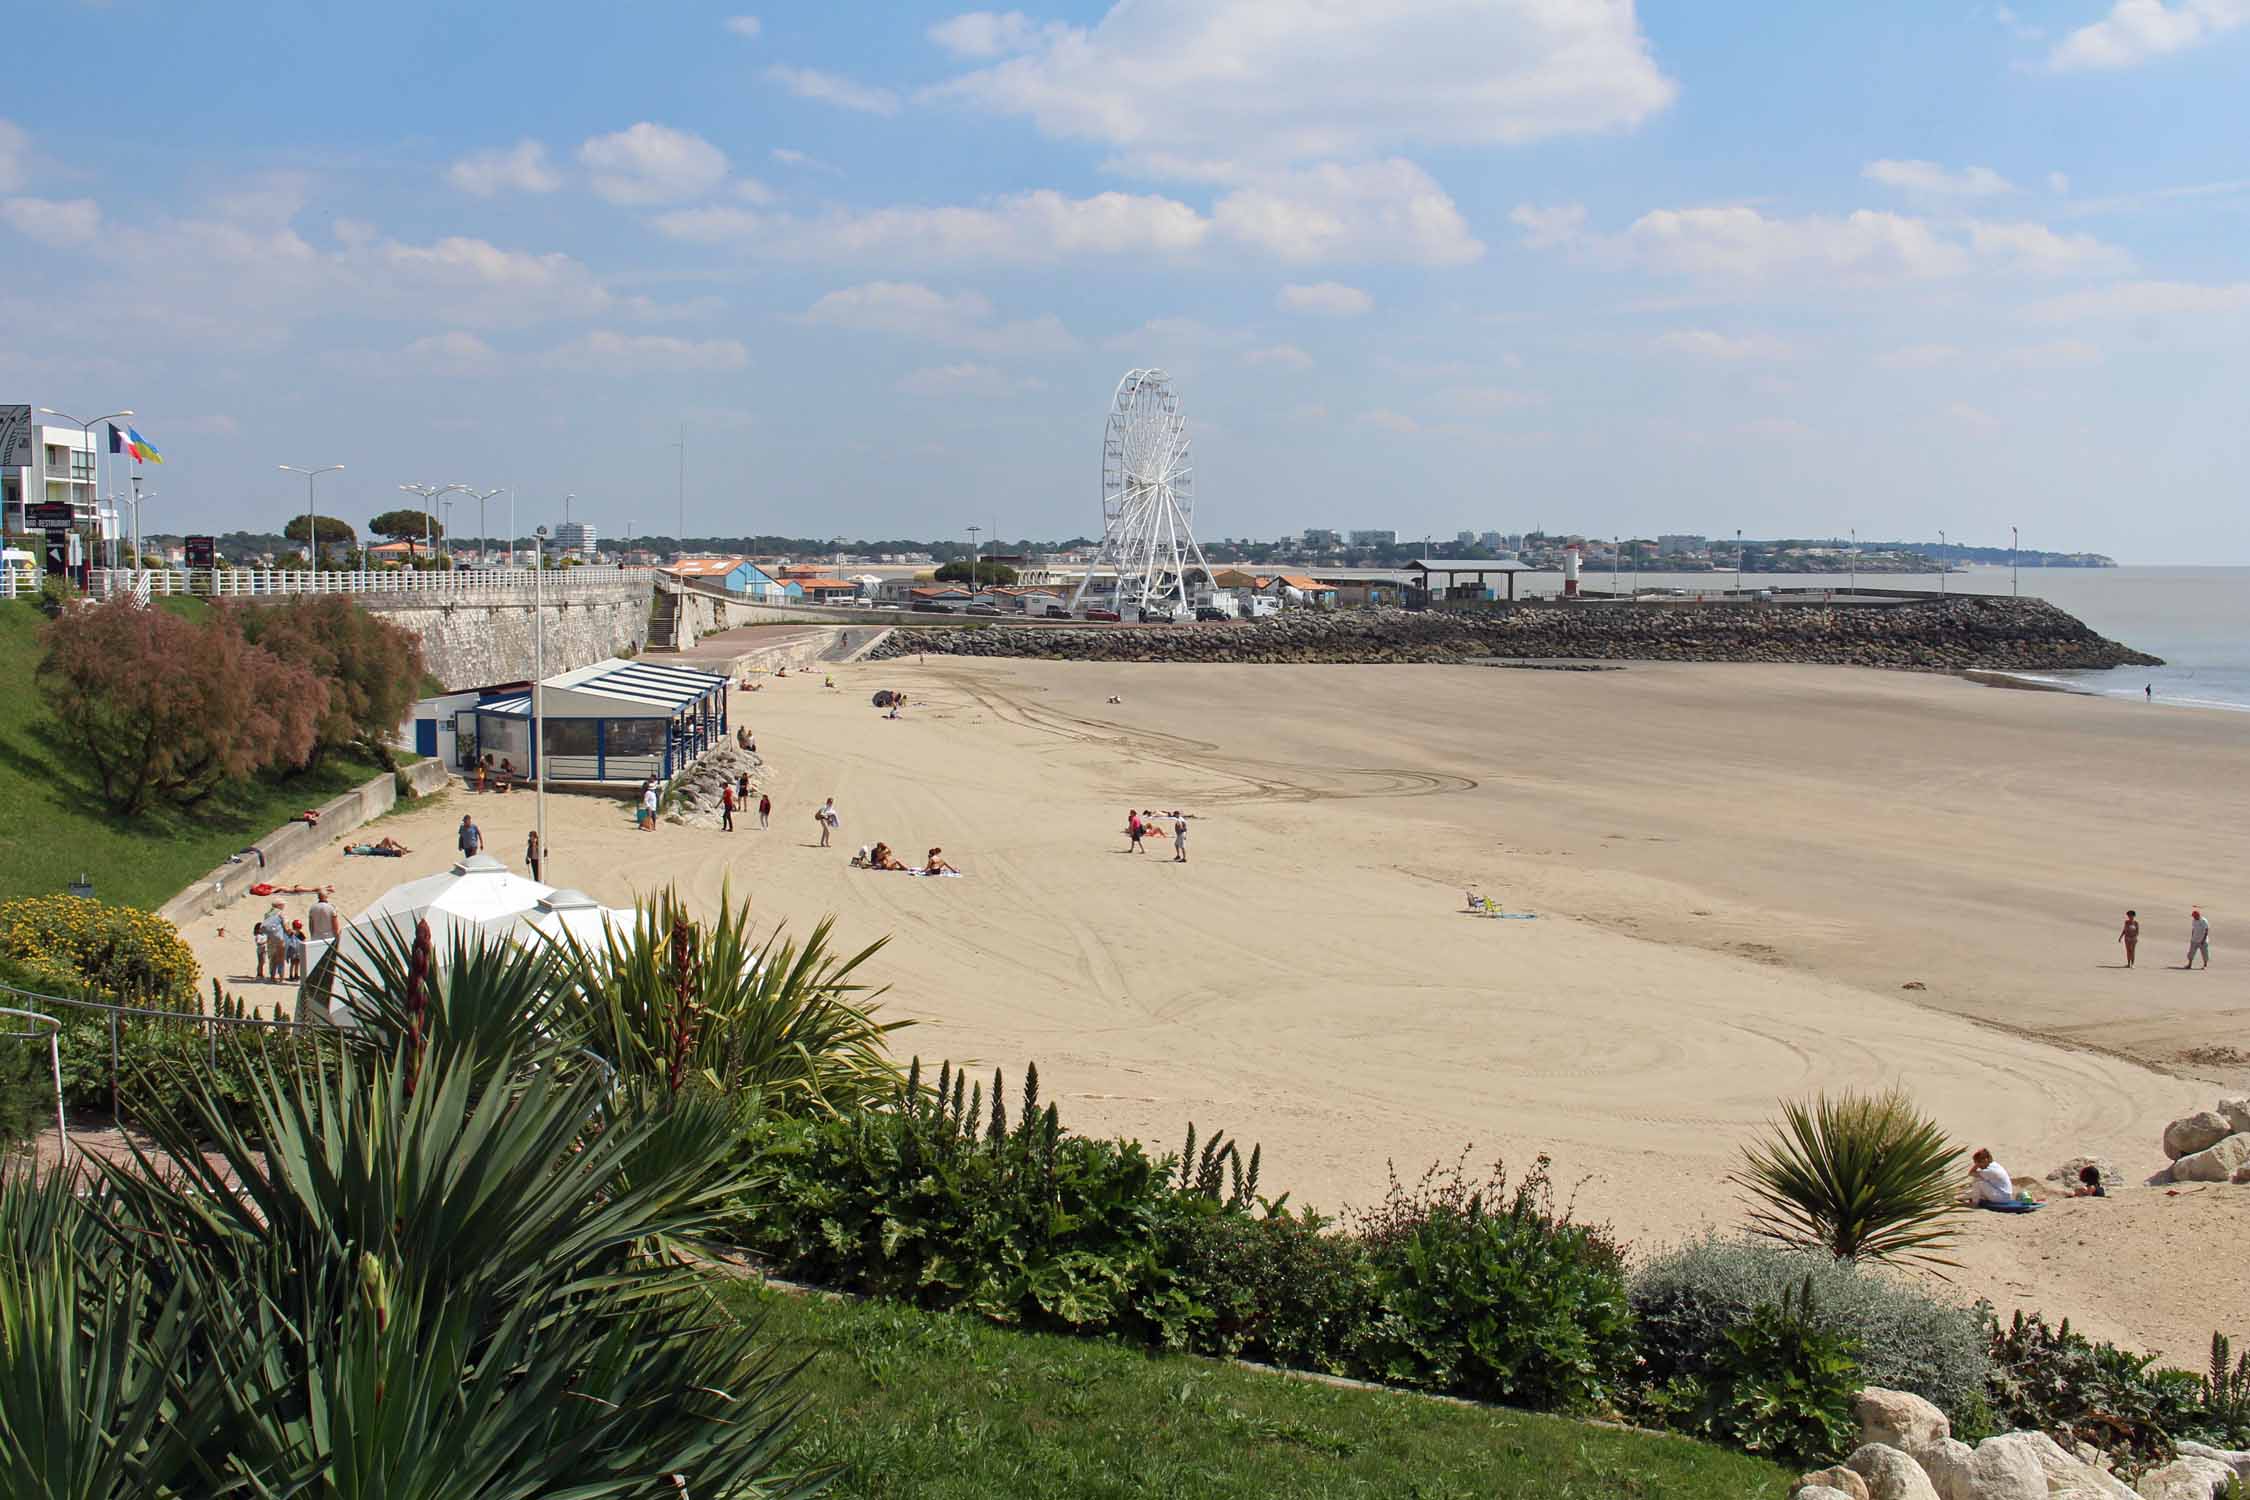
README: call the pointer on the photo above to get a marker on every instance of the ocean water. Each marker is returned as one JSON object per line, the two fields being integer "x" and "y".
{"x": 2197, "y": 619}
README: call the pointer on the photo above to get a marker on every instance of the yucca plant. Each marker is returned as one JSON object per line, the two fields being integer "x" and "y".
{"x": 1864, "y": 1177}
{"x": 710, "y": 1002}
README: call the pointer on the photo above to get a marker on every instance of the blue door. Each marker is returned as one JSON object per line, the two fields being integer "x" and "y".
{"x": 425, "y": 736}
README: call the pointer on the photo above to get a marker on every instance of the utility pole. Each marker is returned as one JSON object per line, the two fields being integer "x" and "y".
{"x": 1941, "y": 562}
{"x": 1854, "y": 561}
{"x": 973, "y": 530}
{"x": 679, "y": 548}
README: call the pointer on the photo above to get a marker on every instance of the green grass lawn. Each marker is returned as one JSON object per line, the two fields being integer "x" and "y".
{"x": 53, "y": 824}
{"x": 929, "y": 1406}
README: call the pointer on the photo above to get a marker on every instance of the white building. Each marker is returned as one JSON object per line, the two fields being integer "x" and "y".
{"x": 47, "y": 464}
{"x": 577, "y": 538}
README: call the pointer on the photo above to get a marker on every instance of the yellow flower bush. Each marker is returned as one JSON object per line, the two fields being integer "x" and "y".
{"x": 118, "y": 952}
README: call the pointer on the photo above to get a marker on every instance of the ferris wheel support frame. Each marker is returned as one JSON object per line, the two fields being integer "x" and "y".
{"x": 1148, "y": 533}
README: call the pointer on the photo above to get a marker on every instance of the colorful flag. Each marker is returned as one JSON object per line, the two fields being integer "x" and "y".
{"x": 130, "y": 441}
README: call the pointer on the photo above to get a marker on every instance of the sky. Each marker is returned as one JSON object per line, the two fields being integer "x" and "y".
{"x": 1427, "y": 265}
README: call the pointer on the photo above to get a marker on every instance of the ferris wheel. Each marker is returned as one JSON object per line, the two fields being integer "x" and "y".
{"x": 1148, "y": 546}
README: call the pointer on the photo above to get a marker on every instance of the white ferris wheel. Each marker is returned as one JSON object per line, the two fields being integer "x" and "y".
{"x": 1148, "y": 550}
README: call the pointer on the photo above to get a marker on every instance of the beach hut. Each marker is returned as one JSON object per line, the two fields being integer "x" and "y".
{"x": 616, "y": 721}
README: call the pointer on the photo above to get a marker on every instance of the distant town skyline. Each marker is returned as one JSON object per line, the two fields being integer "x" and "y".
{"x": 1428, "y": 266}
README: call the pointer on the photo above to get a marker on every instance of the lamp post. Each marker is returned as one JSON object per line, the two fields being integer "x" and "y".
{"x": 430, "y": 494}
{"x": 1852, "y": 561}
{"x": 312, "y": 518}
{"x": 2014, "y": 538}
{"x": 973, "y": 533}
{"x": 538, "y": 701}
{"x": 93, "y": 455}
{"x": 445, "y": 529}
{"x": 1941, "y": 563}
{"x": 484, "y": 538}
{"x": 1738, "y": 559}
{"x": 138, "y": 497}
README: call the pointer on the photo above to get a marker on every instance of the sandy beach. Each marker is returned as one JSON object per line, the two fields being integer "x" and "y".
{"x": 1735, "y": 872}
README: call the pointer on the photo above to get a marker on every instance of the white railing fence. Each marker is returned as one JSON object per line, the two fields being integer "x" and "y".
{"x": 252, "y": 583}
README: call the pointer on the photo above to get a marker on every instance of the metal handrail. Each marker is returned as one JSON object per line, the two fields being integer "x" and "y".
{"x": 54, "y": 1060}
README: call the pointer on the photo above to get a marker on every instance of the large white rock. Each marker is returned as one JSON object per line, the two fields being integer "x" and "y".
{"x": 2234, "y": 1458}
{"x": 2214, "y": 1163}
{"x": 1822, "y": 1492}
{"x": 2197, "y": 1132}
{"x": 2187, "y": 1479}
{"x": 2067, "y": 1474}
{"x": 1899, "y": 1419}
{"x": 1947, "y": 1462}
{"x": 1833, "y": 1481}
{"x": 2237, "y": 1111}
{"x": 1890, "y": 1474}
{"x": 2006, "y": 1467}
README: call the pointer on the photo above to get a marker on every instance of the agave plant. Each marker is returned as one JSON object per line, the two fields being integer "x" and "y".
{"x": 679, "y": 1000}
{"x": 1864, "y": 1177}
{"x": 439, "y": 1268}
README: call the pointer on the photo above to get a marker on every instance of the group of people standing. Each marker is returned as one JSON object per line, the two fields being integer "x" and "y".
{"x": 736, "y": 794}
{"x": 1140, "y": 825}
{"x": 2199, "y": 938}
{"x": 280, "y": 942}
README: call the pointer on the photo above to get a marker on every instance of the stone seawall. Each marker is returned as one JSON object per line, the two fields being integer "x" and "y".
{"x": 1943, "y": 635}
{"x": 468, "y": 643}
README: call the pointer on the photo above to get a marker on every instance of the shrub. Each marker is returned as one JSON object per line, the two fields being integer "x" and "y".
{"x": 1686, "y": 1299}
{"x": 2060, "y": 1382}
{"x": 1861, "y": 1177}
{"x": 1783, "y": 1382}
{"x": 372, "y": 669}
{"x": 1284, "y": 1289}
{"x": 152, "y": 705}
{"x": 1496, "y": 1296}
{"x": 116, "y": 953}
{"x": 27, "y": 1087}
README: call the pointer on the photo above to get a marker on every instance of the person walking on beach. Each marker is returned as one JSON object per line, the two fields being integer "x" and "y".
{"x": 648, "y": 805}
{"x": 1179, "y": 841}
{"x": 531, "y": 852}
{"x": 765, "y": 809}
{"x": 1134, "y": 829}
{"x": 470, "y": 838}
{"x": 321, "y": 923}
{"x": 2148, "y": 691}
{"x": 2130, "y": 935}
{"x": 2199, "y": 939}
{"x": 726, "y": 808}
{"x": 826, "y": 817}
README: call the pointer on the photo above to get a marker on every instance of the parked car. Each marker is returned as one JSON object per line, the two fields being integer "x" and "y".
{"x": 1111, "y": 616}
{"x": 1057, "y": 612}
{"x": 984, "y": 609}
{"x": 1206, "y": 612}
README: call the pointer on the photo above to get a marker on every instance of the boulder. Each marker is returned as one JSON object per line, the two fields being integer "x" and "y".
{"x": 2235, "y": 1459}
{"x": 2066, "y": 1175}
{"x": 1890, "y": 1474}
{"x": 1824, "y": 1492}
{"x": 2237, "y": 1111}
{"x": 2187, "y": 1479}
{"x": 1899, "y": 1419}
{"x": 1947, "y": 1462}
{"x": 2242, "y": 1174}
{"x": 1832, "y": 1481}
{"x": 2197, "y": 1132}
{"x": 2215, "y": 1164}
{"x": 2006, "y": 1467}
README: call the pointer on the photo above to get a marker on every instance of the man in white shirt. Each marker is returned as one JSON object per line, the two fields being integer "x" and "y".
{"x": 2199, "y": 939}
{"x": 1988, "y": 1180}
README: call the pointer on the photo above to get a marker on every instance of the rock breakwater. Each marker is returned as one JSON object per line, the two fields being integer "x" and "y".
{"x": 1948, "y": 635}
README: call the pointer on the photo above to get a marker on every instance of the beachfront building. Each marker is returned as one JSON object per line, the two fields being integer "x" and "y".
{"x": 827, "y": 590}
{"x": 1465, "y": 580}
{"x": 613, "y": 722}
{"x": 47, "y": 465}
{"x": 1299, "y": 591}
{"x": 578, "y": 539}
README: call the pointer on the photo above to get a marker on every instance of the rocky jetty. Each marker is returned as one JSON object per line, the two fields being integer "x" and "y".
{"x": 1943, "y": 635}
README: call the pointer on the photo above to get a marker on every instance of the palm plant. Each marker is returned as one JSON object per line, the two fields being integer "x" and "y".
{"x": 439, "y": 1268}
{"x": 773, "y": 1019}
{"x": 1864, "y": 1177}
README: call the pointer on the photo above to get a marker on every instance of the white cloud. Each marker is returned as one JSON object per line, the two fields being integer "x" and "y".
{"x": 961, "y": 380}
{"x": 1972, "y": 416}
{"x": 1709, "y": 343}
{"x": 1928, "y": 177}
{"x": 606, "y": 353}
{"x": 60, "y": 223}
{"x": 2135, "y": 31}
{"x": 1024, "y": 228}
{"x": 984, "y": 33}
{"x": 912, "y": 310}
{"x": 491, "y": 284}
{"x": 746, "y": 27}
{"x": 831, "y": 88}
{"x": 521, "y": 168}
{"x": 1377, "y": 211}
{"x": 651, "y": 163}
{"x": 1169, "y": 337}
{"x": 453, "y": 353}
{"x": 2144, "y": 300}
{"x": 2054, "y": 354}
{"x": 793, "y": 158}
{"x": 1862, "y": 247}
{"x": 1328, "y": 298}
{"x": 1290, "y": 81}
{"x": 1280, "y": 356}
{"x": 751, "y": 190}
{"x": 1489, "y": 398}
{"x": 1918, "y": 357}
{"x": 15, "y": 147}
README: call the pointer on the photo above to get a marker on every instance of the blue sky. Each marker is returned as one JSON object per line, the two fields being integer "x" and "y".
{"x": 1428, "y": 264}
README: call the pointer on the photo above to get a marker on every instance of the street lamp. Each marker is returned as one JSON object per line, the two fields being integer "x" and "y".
{"x": 538, "y": 701}
{"x": 429, "y": 494}
{"x": 93, "y": 453}
{"x": 484, "y": 541}
{"x": 137, "y": 498}
{"x": 973, "y": 531}
{"x": 2014, "y": 537}
{"x": 312, "y": 518}
{"x": 1738, "y": 559}
{"x": 1941, "y": 562}
{"x": 1853, "y": 561}
{"x": 445, "y": 528}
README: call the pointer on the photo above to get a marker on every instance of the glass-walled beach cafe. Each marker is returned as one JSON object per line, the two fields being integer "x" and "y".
{"x": 617, "y": 721}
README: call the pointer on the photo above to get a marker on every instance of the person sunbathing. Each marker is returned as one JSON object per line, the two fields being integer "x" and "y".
{"x": 936, "y": 866}
{"x": 390, "y": 845}
{"x": 884, "y": 859}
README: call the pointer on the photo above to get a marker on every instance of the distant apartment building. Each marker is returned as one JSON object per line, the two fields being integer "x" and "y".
{"x": 1495, "y": 541}
{"x": 43, "y": 464}
{"x": 1374, "y": 538}
{"x": 1316, "y": 536}
{"x": 1681, "y": 546}
{"x": 1464, "y": 538}
{"x": 577, "y": 539}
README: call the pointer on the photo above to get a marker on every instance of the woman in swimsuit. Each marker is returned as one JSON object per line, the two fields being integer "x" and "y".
{"x": 937, "y": 866}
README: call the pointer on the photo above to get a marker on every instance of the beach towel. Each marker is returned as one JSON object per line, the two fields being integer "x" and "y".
{"x": 374, "y": 849}
{"x": 940, "y": 875}
{"x": 1503, "y": 916}
{"x": 2012, "y": 1208}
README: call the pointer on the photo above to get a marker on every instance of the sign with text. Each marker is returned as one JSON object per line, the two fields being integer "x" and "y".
{"x": 49, "y": 515}
{"x": 201, "y": 551}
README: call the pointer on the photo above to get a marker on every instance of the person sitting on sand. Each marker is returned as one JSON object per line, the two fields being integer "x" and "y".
{"x": 1989, "y": 1183}
{"x": 884, "y": 859}
{"x": 2089, "y": 1184}
{"x": 937, "y": 866}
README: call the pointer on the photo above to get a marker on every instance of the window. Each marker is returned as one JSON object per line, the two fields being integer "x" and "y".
{"x": 569, "y": 736}
{"x": 635, "y": 737}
